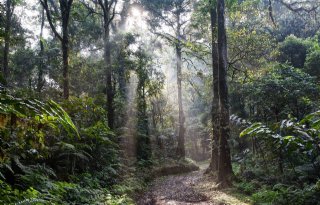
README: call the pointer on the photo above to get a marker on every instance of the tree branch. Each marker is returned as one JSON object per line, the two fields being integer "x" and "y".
{"x": 44, "y": 3}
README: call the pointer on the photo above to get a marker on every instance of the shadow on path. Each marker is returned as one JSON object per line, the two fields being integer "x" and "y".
{"x": 194, "y": 188}
{"x": 175, "y": 190}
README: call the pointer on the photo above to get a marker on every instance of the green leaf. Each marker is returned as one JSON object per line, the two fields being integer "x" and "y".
{"x": 251, "y": 129}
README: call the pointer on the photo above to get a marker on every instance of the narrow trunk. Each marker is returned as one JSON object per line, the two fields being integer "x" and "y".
{"x": 41, "y": 63}
{"x": 7, "y": 40}
{"x": 143, "y": 138}
{"x": 215, "y": 101}
{"x": 225, "y": 168}
{"x": 107, "y": 59}
{"x": 280, "y": 162}
{"x": 122, "y": 77}
{"x": 65, "y": 9}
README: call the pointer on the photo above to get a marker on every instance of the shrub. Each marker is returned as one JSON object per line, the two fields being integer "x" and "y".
{"x": 312, "y": 65}
{"x": 265, "y": 197}
{"x": 246, "y": 187}
{"x": 294, "y": 51}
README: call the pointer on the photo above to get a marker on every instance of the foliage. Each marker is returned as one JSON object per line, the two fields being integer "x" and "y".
{"x": 246, "y": 187}
{"x": 294, "y": 51}
{"x": 312, "y": 65}
{"x": 12, "y": 196}
{"x": 265, "y": 197}
{"x": 294, "y": 145}
{"x": 281, "y": 91}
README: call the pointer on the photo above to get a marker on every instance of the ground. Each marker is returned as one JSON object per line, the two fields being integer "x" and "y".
{"x": 194, "y": 188}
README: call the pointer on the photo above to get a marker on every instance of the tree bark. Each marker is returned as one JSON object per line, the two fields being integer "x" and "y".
{"x": 225, "y": 169}
{"x": 180, "y": 148}
{"x": 215, "y": 101}
{"x": 106, "y": 7}
{"x": 65, "y": 14}
{"x": 41, "y": 55}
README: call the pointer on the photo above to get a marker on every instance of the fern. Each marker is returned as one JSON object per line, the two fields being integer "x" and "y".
{"x": 35, "y": 109}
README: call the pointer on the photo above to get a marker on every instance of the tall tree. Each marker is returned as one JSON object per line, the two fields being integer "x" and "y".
{"x": 181, "y": 139}
{"x": 173, "y": 15}
{"x": 143, "y": 138}
{"x": 224, "y": 163}
{"x": 65, "y": 10}
{"x": 215, "y": 74}
{"x": 41, "y": 55}
{"x": 108, "y": 13}
{"x": 9, "y": 8}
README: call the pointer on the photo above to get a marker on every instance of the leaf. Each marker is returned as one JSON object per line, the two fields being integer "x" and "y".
{"x": 251, "y": 129}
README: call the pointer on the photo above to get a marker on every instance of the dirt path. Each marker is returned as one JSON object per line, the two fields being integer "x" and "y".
{"x": 193, "y": 188}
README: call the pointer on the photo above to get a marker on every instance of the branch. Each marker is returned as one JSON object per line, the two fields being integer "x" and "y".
{"x": 102, "y": 6}
{"x": 271, "y": 13}
{"x": 113, "y": 11}
{"x": 300, "y": 8}
{"x": 90, "y": 9}
{"x": 45, "y": 6}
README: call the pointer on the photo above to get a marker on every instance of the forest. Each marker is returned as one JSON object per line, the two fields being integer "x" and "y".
{"x": 159, "y": 102}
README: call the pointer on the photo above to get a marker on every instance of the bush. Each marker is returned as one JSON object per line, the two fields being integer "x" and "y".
{"x": 294, "y": 51}
{"x": 246, "y": 187}
{"x": 9, "y": 195}
{"x": 312, "y": 65}
{"x": 265, "y": 197}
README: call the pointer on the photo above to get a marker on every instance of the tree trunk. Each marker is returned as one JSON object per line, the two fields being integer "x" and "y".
{"x": 225, "y": 169}
{"x": 41, "y": 55}
{"x": 181, "y": 152}
{"x": 143, "y": 139}
{"x": 65, "y": 8}
{"x": 215, "y": 101}
{"x": 122, "y": 77}
{"x": 65, "y": 14}
{"x": 180, "y": 148}
{"x": 9, "y": 11}
{"x": 107, "y": 59}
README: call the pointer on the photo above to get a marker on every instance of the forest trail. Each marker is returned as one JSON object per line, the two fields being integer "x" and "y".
{"x": 194, "y": 188}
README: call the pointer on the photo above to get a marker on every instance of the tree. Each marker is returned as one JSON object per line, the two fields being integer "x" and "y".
{"x": 294, "y": 51}
{"x": 172, "y": 14}
{"x": 41, "y": 65}
{"x": 224, "y": 162}
{"x": 312, "y": 65}
{"x": 65, "y": 11}
{"x": 215, "y": 100}
{"x": 281, "y": 91}
{"x": 9, "y": 9}
{"x": 143, "y": 139}
{"x": 108, "y": 12}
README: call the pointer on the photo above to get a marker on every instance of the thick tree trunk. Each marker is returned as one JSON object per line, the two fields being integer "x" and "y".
{"x": 181, "y": 147}
{"x": 181, "y": 152}
{"x": 65, "y": 59}
{"x": 108, "y": 14}
{"x": 7, "y": 31}
{"x": 65, "y": 14}
{"x": 215, "y": 101}
{"x": 225, "y": 169}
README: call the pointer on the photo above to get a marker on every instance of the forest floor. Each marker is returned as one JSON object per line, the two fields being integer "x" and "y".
{"x": 194, "y": 188}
